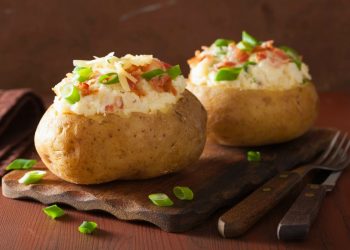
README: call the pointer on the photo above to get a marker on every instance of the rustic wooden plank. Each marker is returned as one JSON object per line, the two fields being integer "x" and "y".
{"x": 221, "y": 177}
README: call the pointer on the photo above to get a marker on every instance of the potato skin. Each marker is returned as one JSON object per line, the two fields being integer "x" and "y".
{"x": 254, "y": 117}
{"x": 98, "y": 149}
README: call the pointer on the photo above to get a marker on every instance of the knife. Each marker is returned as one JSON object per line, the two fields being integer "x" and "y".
{"x": 296, "y": 223}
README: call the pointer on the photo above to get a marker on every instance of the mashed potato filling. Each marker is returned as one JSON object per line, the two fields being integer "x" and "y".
{"x": 250, "y": 64}
{"x": 119, "y": 85}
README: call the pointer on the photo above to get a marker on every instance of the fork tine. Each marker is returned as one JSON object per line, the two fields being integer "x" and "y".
{"x": 347, "y": 146}
{"x": 336, "y": 156}
{"x": 344, "y": 164}
{"x": 328, "y": 150}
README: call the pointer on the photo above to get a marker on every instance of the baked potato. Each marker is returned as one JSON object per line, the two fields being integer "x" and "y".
{"x": 101, "y": 137}
{"x": 255, "y": 93}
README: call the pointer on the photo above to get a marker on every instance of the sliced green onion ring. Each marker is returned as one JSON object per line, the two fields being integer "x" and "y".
{"x": 87, "y": 227}
{"x": 109, "y": 78}
{"x": 253, "y": 156}
{"x": 246, "y": 65}
{"x": 227, "y": 74}
{"x": 70, "y": 93}
{"x": 161, "y": 200}
{"x": 244, "y": 46}
{"x": 222, "y": 42}
{"x": 249, "y": 39}
{"x": 174, "y": 71}
{"x": 83, "y": 73}
{"x": 32, "y": 177}
{"x": 21, "y": 164}
{"x": 53, "y": 211}
{"x": 183, "y": 193}
{"x": 150, "y": 74}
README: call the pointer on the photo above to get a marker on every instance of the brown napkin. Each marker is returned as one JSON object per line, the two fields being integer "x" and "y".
{"x": 20, "y": 112}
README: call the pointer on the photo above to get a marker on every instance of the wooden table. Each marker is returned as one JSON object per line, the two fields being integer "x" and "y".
{"x": 23, "y": 225}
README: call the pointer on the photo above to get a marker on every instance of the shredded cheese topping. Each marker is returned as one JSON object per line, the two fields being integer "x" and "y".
{"x": 132, "y": 93}
{"x": 269, "y": 67}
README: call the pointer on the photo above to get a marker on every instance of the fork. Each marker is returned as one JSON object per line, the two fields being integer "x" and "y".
{"x": 245, "y": 214}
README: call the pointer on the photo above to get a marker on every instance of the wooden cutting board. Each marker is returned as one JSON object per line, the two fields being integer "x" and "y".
{"x": 221, "y": 177}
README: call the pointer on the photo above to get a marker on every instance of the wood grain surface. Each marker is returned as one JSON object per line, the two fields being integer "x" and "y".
{"x": 23, "y": 225}
{"x": 41, "y": 40}
{"x": 221, "y": 176}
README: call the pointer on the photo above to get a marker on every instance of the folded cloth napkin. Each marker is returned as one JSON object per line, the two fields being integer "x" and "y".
{"x": 20, "y": 112}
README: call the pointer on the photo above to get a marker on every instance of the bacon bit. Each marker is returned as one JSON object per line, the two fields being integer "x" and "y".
{"x": 84, "y": 88}
{"x": 166, "y": 65}
{"x": 119, "y": 102}
{"x": 281, "y": 54}
{"x": 224, "y": 64}
{"x": 155, "y": 64}
{"x": 197, "y": 52}
{"x": 132, "y": 68}
{"x": 109, "y": 108}
{"x": 268, "y": 44}
{"x": 135, "y": 89}
{"x": 193, "y": 60}
{"x": 163, "y": 84}
{"x": 241, "y": 55}
{"x": 261, "y": 55}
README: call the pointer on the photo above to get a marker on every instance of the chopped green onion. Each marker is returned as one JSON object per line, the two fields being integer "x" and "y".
{"x": 70, "y": 93}
{"x": 183, "y": 193}
{"x": 296, "y": 58}
{"x": 227, "y": 74}
{"x": 32, "y": 177}
{"x": 246, "y": 65}
{"x": 21, "y": 164}
{"x": 87, "y": 227}
{"x": 244, "y": 46}
{"x": 249, "y": 39}
{"x": 248, "y": 42}
{"x": 109, "y": 78}
{"x": 174, "y": 71}
{"x": 83, "y": 73}
{"x": 53, "y": 211}
{"x": 253, "y": 156}
{"x": 150, "y": 74}
{"x": 222, "y": 42}
{"x": 161, "y": 200}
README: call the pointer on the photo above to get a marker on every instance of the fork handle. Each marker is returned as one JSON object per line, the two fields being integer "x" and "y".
{"x": 245, "y": 214}
{"x": 297, "y": 222}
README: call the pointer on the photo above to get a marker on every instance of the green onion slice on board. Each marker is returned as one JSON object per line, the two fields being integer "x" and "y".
{"x": 87, "y": 227}
{"x": 32, "y": 177}
{"x": 253, "y": 156}
{"x": 70, "y": 93}
{"x": 160, "y": 199}
{"x": 21, "y": 164}
{"x": 183, "y": 193}
{"x": 53, "y": 211}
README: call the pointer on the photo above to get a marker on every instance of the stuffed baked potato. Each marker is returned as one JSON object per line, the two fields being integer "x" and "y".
{"x": 121, "y": 118}
{"x": 254, "y": 93}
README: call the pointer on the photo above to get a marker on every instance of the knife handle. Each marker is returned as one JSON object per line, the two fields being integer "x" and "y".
{"x": 297, "y": 222}
{"x": 245, "y": 214}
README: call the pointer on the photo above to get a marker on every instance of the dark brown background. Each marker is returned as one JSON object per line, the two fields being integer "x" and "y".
{"x": 39, "y": 39}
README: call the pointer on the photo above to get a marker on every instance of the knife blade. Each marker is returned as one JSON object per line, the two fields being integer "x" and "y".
{"x": 296, "y": 223}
